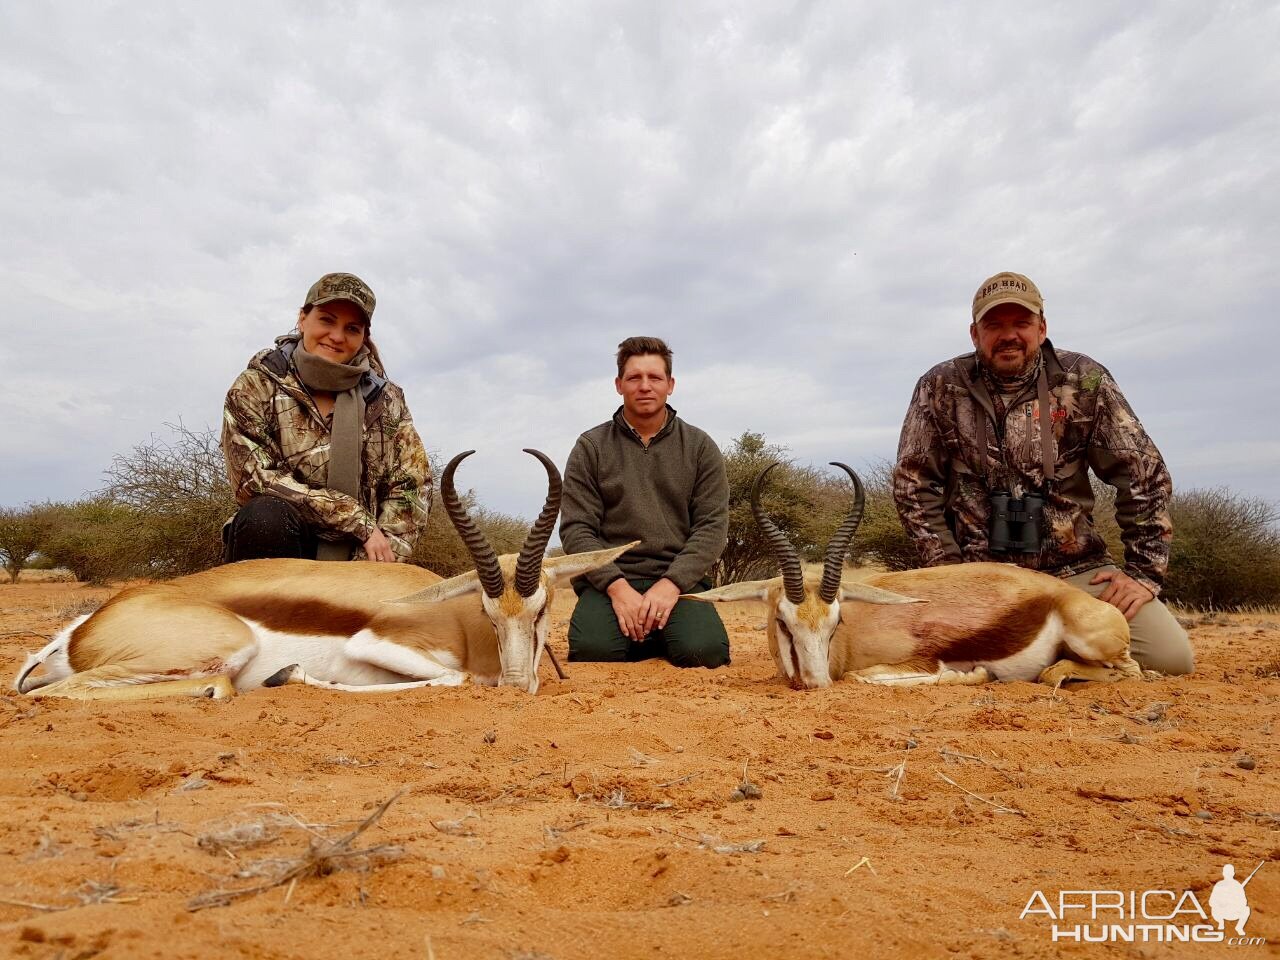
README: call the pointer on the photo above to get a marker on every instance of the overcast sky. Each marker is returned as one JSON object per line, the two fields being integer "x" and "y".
{"x": 800, "y": 197}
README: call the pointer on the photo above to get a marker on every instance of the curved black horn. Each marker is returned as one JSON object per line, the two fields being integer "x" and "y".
{"x": 478, "y": 546}
{"x": 529, "y": 564}
{"x": 838, "y": 546}
{"x": 783, "y": 549}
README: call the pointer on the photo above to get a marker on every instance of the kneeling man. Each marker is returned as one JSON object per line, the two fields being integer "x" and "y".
{"x": 994, "y": 461}
{"x": 646, "y": 475}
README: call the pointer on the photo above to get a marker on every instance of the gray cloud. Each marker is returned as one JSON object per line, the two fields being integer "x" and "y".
{"x": 800, "y": 197}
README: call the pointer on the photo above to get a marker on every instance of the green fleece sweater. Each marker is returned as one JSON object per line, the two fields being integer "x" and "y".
{"x": 672, "y": 495}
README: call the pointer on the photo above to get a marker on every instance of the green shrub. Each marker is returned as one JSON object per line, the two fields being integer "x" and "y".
{"x": 881, "y": 538}
{"x": 96, "y": 539}
{"x": 805, "y": 504}
{"x": 442, "y": 551}
{"x": 21, "y": 532}
{"x": 180, "y": 494}
{"x": 1226, "y": 551}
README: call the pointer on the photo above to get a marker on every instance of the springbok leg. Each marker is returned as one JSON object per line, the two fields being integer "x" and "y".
{"x": 909, "y": 673}
{"x": 89, "y": 685}
{"x": 1064, "y": 670}
{"x": 295, "y": 674}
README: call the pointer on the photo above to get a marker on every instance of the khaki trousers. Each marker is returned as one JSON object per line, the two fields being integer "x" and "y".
{"x": 1156, "y": 639}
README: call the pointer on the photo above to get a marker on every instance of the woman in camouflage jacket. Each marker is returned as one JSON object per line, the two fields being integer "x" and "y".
{"x": 321, "y": 395}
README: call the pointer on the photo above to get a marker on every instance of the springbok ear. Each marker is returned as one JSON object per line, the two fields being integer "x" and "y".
{"x": 563, "y": 569}
{"x": 748, "y": 590}
{"x": 870, "y": 594}
{"x": 458, "y": 586}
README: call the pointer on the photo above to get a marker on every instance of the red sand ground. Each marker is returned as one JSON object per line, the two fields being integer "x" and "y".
{"x": 595, "y": 819}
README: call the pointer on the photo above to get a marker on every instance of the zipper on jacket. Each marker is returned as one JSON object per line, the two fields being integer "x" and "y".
{"x": 1028, "y": 450}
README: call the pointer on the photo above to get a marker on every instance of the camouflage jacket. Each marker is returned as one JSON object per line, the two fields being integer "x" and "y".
{"x": 276, "y": 442}
{"x": 941, "y": 481}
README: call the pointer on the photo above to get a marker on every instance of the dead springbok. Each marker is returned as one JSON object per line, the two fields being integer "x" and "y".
{"x": 342, "y": 626}
{"x": 966, "y": 623}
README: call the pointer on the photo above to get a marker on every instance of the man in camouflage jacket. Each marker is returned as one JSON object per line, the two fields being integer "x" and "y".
{"x": 277, "y": 442}
{"x": 990, "y": 398}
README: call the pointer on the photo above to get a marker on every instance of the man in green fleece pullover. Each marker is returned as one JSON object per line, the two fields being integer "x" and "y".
{"x": 646, "y": 475}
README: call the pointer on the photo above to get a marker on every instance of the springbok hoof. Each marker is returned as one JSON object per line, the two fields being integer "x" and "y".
{"x": 220, "y": 688}
{"x": 1057, "y": 673}
{"x": 289, "y": 674}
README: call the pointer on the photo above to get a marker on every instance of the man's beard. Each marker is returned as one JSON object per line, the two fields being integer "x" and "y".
{"x": 1011, "y": 371}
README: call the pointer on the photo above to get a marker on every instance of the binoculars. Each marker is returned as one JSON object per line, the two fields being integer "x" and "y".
{"x": 1015, "y": 523}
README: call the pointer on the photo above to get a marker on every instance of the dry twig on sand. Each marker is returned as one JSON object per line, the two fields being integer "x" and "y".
{"x": 323, "y": 857}
{"x": 679, "y": 780}
{"x": 90, "y": 892}
{"x": 864, "y": 862}
{"x": 898, "y": 772}
{"x": 949, "y": 755}
{"x": 999, "y": 807}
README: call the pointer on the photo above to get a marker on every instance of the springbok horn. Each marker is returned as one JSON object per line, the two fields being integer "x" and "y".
{"x": 529, "y": 563}
{"x": 788, "y": 559}
{"x": 478, "y": 546}
{"x": 838, "y": 546}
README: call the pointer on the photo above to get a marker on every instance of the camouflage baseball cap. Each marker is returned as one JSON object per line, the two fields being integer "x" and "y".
{"x": 1006, "y": 287}
{"x": 343, "y": 286}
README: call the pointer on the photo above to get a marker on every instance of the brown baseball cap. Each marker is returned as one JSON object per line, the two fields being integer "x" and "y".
{"x": 1007, "y": 287}
{"x": 343, "y": 286}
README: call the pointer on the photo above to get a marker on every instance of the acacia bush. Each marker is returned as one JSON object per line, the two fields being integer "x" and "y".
{"x": 96, "y": 539}
{"x": 1225, "y": 553}
{"x": 442, "y": 551}
{"x": 179, "y": 491}
{"x": 881, "y": 539}
{"x": 21, "y": 532}
{"x": 806, "y": 504}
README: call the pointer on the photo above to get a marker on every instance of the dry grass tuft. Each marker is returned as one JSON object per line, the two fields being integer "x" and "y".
{"x": 323, "y": 856}
{"x": 77, "y": 608}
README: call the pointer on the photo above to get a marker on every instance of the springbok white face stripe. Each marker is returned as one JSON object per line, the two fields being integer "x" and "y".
{"x": 53, "y": 655}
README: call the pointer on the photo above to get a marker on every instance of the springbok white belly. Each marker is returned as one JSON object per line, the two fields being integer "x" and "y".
{"x": 1028, "y": 663}
{"x": 322, "y": 657}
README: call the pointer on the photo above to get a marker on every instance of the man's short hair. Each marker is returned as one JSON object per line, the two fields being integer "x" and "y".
{"x": 643, "y": 347}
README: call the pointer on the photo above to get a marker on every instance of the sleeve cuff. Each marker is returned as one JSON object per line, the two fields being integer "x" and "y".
{"x": 602, "y": 578}
{"x": 1145, "y": 580}
{"x": 682, "y": 580}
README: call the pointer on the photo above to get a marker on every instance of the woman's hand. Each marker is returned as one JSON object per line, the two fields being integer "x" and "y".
{"x": 378, "y": 547}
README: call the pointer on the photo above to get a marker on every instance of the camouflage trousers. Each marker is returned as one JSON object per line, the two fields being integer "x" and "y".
{"x": 1156, "y": 639}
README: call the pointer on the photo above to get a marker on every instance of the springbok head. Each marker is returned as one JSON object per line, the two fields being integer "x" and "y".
{"x": 515, "y": 589}
{"x": 803, "y": 613}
